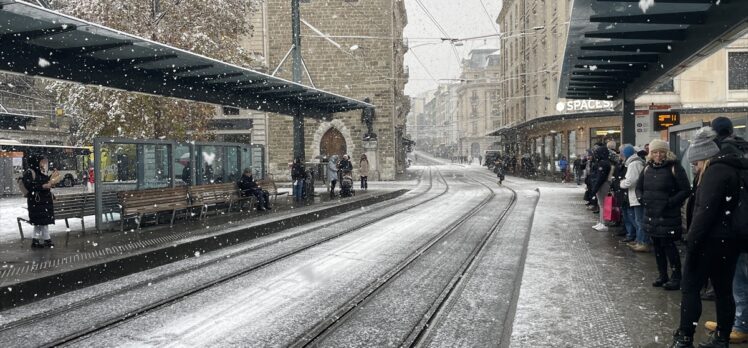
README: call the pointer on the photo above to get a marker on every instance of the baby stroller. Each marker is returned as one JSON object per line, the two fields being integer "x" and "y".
{"x": 346, "y": 185}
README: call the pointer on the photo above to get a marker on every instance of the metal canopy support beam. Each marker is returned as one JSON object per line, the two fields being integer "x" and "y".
{"x": 181, "y": 69}
{"x": 661, "y": 47}
{"x": 634, "y": 58}
{"x": 614, "y": 67}
{"x": 667, "y": 34}
{"x": 673, "y": 1}
{"x": 34, "y": 34}
{"x": 95, "y": 48}
{"x": 697, "y": 17}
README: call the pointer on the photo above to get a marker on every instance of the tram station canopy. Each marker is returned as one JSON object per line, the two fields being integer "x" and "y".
{"x": 40, "y": 42}
{"x": 618, "y": 48}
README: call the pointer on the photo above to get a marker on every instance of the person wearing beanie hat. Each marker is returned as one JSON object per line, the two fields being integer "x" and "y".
{"x": 658, "y": 145}
{"x": 628, "y": 151}
{"x": 633, "y": 212}
{"x": 722, "y": 126}
{"x": 662, "y": 189}
{"x": 703, "y": 146}
{"x": 713, "y": 247}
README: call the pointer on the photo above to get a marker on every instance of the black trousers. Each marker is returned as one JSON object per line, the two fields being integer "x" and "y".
{"x": 666, "y": 251}
{"x": 332, "y": 187}
{"x": 364, "y": 182}
{"x": 715, "y": 260}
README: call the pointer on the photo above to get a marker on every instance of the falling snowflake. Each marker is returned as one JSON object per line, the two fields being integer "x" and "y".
{"x": 646, "y": 5}
{"x": 44, "y": 63}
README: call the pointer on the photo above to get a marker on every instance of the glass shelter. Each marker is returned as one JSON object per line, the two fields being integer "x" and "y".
{"x": 122, "y": 164}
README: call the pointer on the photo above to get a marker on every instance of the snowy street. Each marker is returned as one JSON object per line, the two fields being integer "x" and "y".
{"x": 419, "y": 270}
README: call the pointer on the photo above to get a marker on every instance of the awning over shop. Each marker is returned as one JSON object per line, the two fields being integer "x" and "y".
{"x": 618, "y": 48}
{"x": 40, "y": 42}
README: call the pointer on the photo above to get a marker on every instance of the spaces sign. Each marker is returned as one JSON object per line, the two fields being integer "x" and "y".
{"x": 584, "y": 105}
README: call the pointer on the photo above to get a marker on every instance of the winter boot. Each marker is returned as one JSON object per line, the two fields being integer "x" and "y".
{"x": 35, "y": 243}
{"x": 681, "y": 341}
{"x": 715, "y": 340}
{"x": 674, "y": 283}
{"x": 660, "y": 281}
{"x": 48, "y": 243}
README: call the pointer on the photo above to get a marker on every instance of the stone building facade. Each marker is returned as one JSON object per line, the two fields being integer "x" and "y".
{"x": 358, "y": 68}
{"x": 478, "y": 97}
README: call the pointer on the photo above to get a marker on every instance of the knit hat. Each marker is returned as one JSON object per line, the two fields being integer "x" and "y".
{"x": 628, "y": 150}
{"x": 722, "y": 126}
{"x": 658, "y": 145}
{"x": 703, "y": 145}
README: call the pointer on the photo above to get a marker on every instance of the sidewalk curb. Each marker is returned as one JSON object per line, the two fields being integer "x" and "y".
{"x": 18, "y": 294}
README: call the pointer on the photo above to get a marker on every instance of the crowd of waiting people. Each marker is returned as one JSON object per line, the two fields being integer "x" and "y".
{"x": 651, "y": 189}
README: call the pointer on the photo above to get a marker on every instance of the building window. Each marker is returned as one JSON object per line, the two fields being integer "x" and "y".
{"x": 230, "y": 111}
{"x": 737, "y": 70}
{"x": 668, "y": 86}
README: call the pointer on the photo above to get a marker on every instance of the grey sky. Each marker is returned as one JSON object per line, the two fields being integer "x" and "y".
{"x": 461, "y": 19}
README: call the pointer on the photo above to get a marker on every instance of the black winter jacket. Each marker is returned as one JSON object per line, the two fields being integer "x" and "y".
{"x": 715, "y": 197}
{"x": 345, "y": 165}
{"x": 662, "y": 190}
{"x": 40, "y": 200}
{"x": 297, "y": 172}
{"x": 247, "y": 184}
{"x": 603, "y": 168}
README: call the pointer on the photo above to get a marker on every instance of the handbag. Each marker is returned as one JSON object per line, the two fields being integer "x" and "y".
{"x": 611, "y": 211}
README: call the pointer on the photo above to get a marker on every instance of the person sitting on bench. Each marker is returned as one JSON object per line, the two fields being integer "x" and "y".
{"x": 249, "y": 186}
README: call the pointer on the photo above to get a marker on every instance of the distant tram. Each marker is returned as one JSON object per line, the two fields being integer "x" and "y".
{"x": 70, "y": 161}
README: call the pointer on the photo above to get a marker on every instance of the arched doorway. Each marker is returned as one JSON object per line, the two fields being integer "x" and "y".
{"x": 332, "y": 143}
{"x": 475, "y": 150}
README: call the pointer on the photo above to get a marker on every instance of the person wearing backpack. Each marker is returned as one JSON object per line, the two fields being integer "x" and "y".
{"x": 662, "y": 189}
{"x": 714, "y": 237}
{"x": 633, "y": 211}
{"x": 39, "y": 200}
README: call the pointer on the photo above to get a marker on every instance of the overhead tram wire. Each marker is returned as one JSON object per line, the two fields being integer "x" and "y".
{"x": 440, "y": 28}
{"x": 485, "y": 10}
{"x": 424, "y": 67}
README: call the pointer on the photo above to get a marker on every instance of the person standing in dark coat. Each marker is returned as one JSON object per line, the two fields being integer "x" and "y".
{"x": 601, "y": 182}
{"x": 713, "y": 245}
{"x": 39, "y": 200}
{"x": 298, "y": 174}
{"x": 662, "y": 189}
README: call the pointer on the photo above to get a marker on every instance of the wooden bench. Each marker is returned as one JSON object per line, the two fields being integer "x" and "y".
{"x": 268, "y": 184}
{"x": 77, "y": 206}
{"x": 152, "y": 201}
{"x": 206, "y": 196}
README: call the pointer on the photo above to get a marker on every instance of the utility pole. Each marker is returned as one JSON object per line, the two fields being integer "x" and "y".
{"x": 298, "y": 121}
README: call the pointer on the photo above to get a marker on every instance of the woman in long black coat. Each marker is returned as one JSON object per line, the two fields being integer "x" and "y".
{"x": 39, "y": 200}
{"x": 662, "y": 190}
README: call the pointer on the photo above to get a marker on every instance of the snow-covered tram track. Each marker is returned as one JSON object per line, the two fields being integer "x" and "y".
{"x": 320, "y": 334}
{"x": 16, "y": 328}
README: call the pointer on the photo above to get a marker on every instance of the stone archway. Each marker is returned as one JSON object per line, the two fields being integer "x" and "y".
{"x": 323, "y": 128}
{"x": 332, "y": 143}
{"x": 475, "y": 150}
